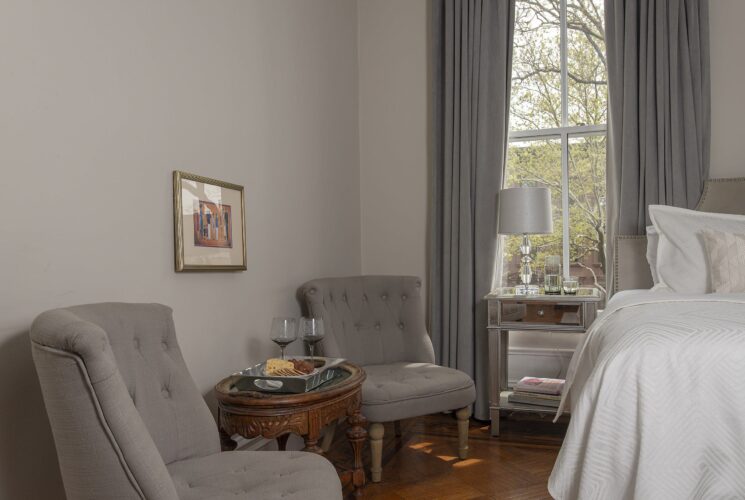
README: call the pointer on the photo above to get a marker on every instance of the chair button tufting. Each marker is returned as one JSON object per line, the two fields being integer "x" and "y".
{"x": 165, "y": 393}
{"x": 364, "y": 298}
{"x": 404, "y": 297}
{"x": 401, "y": 325}
{"x": 312, "y": 291}
{"x": 136, "y": 342}
{"x": 164, "y": 345}
{"x": 377, "y": 326}
{"x": 384, "y": 296}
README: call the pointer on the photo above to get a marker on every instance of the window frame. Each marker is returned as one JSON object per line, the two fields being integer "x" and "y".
{"x": 564, "y": 133}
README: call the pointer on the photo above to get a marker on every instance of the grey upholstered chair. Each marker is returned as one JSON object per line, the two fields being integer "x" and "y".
{"x": 378, "y": 323}
{"x": 129, "y": 422}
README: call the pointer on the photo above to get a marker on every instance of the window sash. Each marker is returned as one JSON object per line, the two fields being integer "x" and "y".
{"x": 545, "y": 133}
{"x": 564, "y": 133}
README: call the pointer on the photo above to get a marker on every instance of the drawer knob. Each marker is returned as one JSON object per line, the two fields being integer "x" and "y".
{"x": 541, "y": 313}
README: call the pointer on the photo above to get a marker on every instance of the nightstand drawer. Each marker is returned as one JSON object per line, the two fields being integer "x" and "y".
{"x": 536, "y": 313}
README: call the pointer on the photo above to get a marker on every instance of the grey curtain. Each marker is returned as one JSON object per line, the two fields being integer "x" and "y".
{"x": 659, "y": 107}
{"x": 472, "y": 62}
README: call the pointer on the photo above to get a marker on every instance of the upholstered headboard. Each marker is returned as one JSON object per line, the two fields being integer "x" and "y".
{"x": 630, "y": 267}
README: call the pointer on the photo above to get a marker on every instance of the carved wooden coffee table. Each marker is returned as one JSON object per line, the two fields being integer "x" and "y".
{"x": 274, "y": 416}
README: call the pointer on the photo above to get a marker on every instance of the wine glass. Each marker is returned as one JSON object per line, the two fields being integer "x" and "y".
{"x": 284, "y": 332}
{"x": 311, "y": 329}
{"x": 552, "y": 275}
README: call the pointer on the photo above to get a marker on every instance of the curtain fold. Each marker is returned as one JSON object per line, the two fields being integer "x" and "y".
{"x": 472, "y": 65}
{"x": 659, "y": 108}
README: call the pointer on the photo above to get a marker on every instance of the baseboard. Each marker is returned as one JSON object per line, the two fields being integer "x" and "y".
{"x": 537, "y": 362}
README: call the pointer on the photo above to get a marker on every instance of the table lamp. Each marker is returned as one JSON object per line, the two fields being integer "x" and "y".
{"x": 525, "y": 211}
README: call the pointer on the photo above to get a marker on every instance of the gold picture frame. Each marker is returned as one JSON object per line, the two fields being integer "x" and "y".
{"x": 209, "y": 224}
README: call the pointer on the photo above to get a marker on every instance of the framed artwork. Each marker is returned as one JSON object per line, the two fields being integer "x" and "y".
{"x": 208, "y": 222}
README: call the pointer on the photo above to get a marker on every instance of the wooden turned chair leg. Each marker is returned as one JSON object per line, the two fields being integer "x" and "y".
{"x": 376, "y": 432}
{"x": 463, "y": 415}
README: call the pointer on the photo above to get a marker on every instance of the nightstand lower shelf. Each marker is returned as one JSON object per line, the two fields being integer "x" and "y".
{"x": 506, "y": 406}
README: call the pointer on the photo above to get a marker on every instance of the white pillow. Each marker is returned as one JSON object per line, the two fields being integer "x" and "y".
{"x": 681, "y": 257}
{"x": 653, "y": 240}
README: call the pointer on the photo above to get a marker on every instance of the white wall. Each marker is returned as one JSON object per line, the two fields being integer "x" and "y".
{"x": 99, "y": 102}
{"x": 393, "y": 93}
{"x": 727, "y": 81}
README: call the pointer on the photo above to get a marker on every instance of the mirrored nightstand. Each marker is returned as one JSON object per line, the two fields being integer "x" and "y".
{"x": 548, "y": 313}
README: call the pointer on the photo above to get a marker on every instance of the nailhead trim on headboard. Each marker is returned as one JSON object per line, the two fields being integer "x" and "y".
{"x": 615, "y": 256}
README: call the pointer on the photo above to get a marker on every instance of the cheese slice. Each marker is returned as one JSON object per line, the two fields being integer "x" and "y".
{"x": 274, "y": 365}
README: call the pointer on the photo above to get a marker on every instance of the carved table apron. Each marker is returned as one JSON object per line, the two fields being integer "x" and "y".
{"x": 274, "y": 416}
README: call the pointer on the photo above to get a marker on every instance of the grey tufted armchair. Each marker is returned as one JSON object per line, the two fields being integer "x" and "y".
{"x": 129, "y": 422}
{"x": 378, "y": 323}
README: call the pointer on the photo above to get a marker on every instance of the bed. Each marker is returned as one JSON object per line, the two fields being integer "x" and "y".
{"x": 657, "y": 387}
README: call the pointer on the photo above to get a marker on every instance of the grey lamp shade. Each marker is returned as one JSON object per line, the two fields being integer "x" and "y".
{"x": 525, "y": 210}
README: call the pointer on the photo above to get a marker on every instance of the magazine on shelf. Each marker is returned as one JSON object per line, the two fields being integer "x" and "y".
{"x": 537, "y": 385}
{"x": 538, "y": 397}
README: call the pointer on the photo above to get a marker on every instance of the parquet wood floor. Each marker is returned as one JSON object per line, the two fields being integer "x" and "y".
{"x": 423, "y": 463}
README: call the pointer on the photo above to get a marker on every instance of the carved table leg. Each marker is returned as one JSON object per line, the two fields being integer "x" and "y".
{"x": 226, "y": 442}
{"x": 357, "y": 434}
{"x": 282, "y": 442}
{"x": 311, "y": 443}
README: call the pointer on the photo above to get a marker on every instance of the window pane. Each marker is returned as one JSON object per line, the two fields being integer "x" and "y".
{"x": 587, "y": 209}
{"x": 536, "y": 75}
{"x": 533, "y": 163}
{"x": 587, "y": 79}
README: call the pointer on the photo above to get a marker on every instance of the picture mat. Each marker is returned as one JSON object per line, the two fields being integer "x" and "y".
{"x": 193, "y": 191}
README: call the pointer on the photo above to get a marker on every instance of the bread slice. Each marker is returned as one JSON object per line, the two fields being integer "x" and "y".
{"x": 276, "y": 366}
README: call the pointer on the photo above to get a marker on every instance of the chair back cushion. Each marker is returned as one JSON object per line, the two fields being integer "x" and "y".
{"x": 120, "y": 400}
{"x": 371, "y": 319}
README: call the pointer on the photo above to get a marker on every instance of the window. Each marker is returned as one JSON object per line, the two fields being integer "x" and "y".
{"x": 557, "y": 139}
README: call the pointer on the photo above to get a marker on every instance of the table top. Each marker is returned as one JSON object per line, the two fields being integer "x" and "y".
{"x": 348, "y": 377}
{"x": 584, "y": 294}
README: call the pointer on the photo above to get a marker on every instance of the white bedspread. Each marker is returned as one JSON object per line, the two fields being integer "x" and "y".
{"x": 657, "y": 393}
